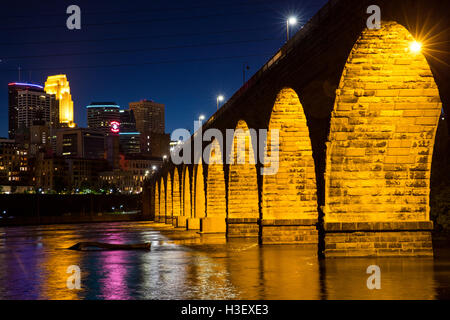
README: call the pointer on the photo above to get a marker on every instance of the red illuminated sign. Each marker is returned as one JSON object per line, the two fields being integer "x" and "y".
{"x": 115, "y": 127}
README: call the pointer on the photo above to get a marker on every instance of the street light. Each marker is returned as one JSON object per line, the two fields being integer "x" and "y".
{"x": 201, "y": 118}
{"x": 220, "y": 98}
{"x": 415, "y": 47}
{"x": 292, "y": 21}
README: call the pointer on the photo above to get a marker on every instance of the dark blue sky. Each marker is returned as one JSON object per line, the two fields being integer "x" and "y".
{"x": 144, "y": 49}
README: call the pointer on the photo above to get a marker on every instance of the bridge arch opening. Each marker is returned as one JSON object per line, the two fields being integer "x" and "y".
{"x": 187, "y": 194}
{"x": 382, "y": 134}
{"x": 243, "y": 203}
{"x": 198, "y": 197}
{"x": 169, "y": 201}
{"x": 289, "y": 197}
{"x": 216, "y": 209}
{"x": 176, "y": 197}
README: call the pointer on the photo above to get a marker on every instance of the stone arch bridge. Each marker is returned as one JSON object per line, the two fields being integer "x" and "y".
{"x": 357, "y": 111}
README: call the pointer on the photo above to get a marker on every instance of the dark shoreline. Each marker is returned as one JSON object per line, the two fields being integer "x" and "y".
{"x": 78, "y": 219}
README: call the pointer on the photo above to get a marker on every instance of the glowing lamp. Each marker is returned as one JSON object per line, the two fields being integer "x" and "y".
{"x": 415, "y": 47}
{"x": 115, "y": 127}
{"x": 292, "y": 21}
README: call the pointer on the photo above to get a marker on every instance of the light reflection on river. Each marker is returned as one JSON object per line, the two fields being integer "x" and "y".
{"x": 184, "y": 265}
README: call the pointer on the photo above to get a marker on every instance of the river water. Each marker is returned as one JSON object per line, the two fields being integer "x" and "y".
{"x": 185, "y": 265}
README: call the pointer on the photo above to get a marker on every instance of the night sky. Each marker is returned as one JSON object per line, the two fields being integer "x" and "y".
{"x": 180, "y": 53}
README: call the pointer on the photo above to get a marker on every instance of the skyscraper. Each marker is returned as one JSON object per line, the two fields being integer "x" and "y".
{"x": 149, "y": 116}
{"x": 127, "y": 121}
{"x": 100, "y": 116}
{"x": 59, "y": 86}
{"x": 28, "y": 103}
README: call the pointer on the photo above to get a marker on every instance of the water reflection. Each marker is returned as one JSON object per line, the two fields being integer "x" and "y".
{"x": 185, "y": 265}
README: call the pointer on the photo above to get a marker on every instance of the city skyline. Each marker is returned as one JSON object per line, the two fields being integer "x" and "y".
{"x": 163, "y": 75}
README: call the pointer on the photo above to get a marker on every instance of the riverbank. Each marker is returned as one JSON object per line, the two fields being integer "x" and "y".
{"x": 70, "y": 219}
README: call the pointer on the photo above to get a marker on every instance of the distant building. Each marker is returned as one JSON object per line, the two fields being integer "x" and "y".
{"x": 51, "y": 174}
{"x": 149, "y": 116}
{"x": 40, "y": 139}
{"x": 14, "y": 166}
{"x": 127, "y": 121}
{"x": 100, "y": 116}
{"x": 130, "y": 143}
{"x": 158, "y": 144}
{"x": 59, "y": 86}
{"x": 80, "y": 143}
{"x": 85, "y": 173}
{"x": 132, "y": 174}
{"x": 29, "y": 102}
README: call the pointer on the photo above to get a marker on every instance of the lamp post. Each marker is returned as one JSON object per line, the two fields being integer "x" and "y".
{"x": 290, "y": 22}
{"x": 220, "y": 98}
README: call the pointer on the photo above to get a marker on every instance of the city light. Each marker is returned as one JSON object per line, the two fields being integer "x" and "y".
{"x": 415, "y": 47}
{"x": 25, "y": 84}
{"x": 291, "y": 21}
{"x": 59, "y": 86}
{"x": 220, "y": 98}
{"x": 115, "y": 126}
{"x": 201, "y": 118}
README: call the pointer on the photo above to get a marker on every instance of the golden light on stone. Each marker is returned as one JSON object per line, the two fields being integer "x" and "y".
{"x": 59, "y": 86}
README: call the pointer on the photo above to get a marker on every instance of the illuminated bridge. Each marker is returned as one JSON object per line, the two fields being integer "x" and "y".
{"x": 357, "y": 111}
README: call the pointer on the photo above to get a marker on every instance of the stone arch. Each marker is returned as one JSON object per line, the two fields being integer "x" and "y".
{"x": 289, "y": 197}
{"x": 216, "y": 207}
{"x": 162, "y": 201}
{"x": 169, "y": 201}
{"x": 187, "y": 194}
{"x": 382, "y": 132}
{"x": 176, "y": 197}
{"x": 243, "y": 203}
{"x": 156, "y": 200}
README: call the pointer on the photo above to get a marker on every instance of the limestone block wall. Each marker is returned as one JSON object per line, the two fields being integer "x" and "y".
{"x": 382, "y": 132}
{"x": 187, "y": 194}
{"x": 242, "y": 181}
{"x": 215, "y": 185}
{"x": 290, "y": 193}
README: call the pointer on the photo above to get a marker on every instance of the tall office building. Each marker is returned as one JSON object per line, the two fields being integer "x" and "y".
{"x": 59, "y": 86}
{"x": 130, "y": 139}
{"x": 149, "y": 116}
{"x": 101, "y": 116}
{"x": 28, "y": 103}
{"x": 80, "y": 143}
{"x": 127, "y": 121}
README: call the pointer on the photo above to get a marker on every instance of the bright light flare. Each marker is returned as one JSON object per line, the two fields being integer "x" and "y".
{"x": 415, "y": 47}
{"x": 292, "y": 21}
